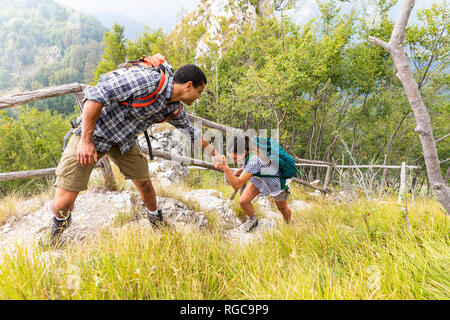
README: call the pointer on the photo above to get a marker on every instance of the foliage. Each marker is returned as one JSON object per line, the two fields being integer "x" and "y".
{"x": 32, "y": 141}
{"x": 115, "y": 51}
{"x": 324, "y": 81}
{"x": 45, "y": 44}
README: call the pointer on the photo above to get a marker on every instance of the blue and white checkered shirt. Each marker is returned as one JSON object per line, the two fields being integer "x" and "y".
{"x": 118, "y": 125}
{"x": 266, "y": 185}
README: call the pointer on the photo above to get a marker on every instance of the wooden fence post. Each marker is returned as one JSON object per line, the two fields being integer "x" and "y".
{"x": 402, "y": 192}
{"x": 107, "y": 174}
{"x": 327, "y": 177}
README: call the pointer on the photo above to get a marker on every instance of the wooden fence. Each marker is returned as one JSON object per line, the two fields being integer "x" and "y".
{"x": 104, "y": 163}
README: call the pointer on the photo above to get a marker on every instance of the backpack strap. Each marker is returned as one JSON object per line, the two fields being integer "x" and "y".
{"x": 149, "y": 145}
{"x": 269, "y": 151}
{"x": 148, "y": 100}
{"x": 173, "y": 113}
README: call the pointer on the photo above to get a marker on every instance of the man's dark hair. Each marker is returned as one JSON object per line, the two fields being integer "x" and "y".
{"x": 190, "y": 72}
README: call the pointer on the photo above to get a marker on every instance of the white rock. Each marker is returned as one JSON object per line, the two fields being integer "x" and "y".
{"x": 300, "y": 205}
{"x": 207, "y": 199}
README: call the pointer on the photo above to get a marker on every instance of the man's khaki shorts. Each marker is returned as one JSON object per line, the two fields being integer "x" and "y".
{"x": 71, "y": 176}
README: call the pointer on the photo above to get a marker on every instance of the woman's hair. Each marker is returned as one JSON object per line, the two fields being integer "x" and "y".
{"x": 238, "y": 144}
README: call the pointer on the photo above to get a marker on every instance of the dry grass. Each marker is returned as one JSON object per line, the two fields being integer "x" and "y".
{"x": 16, "y": 204}
{"x": 328, "y": 254}
{"x": 347, "y": 250}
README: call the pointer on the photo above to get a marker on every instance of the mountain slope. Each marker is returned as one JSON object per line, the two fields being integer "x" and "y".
{"x": 37, "y": 33}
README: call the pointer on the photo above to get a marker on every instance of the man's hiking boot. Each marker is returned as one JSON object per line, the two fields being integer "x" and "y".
{"x": 52, "y": 237}
{"x": 250, "y": 224}
{"x": 157, "y": 221}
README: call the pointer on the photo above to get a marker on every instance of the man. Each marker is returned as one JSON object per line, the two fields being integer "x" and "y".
{"x": 110, "y": 126}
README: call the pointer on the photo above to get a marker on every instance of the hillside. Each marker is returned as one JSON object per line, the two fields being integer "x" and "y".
{"x": 328, "y": 95}
{"x": 43, "y": 44}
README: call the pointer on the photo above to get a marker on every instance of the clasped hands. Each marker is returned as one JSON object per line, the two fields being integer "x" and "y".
{"x": 220, "y": 162}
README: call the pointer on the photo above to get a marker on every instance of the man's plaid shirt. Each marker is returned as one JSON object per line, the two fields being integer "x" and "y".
{"x": 118, "y": 125}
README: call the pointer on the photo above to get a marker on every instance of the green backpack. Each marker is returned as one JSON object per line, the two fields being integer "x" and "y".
{"x": 282, "y": 160}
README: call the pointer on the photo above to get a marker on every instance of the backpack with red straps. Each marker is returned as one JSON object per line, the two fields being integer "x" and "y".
{"x": 156, "y": 62}
{"x": 159, "y": 63}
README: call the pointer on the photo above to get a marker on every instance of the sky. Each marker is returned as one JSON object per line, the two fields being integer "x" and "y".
{"x": 163, "y": 14}
{"x": 166, "y": 14}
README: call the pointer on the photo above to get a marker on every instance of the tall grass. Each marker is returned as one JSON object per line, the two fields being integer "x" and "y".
{"x": 17, "y": 203}
{"x": 9, "y": 206}
{"x": 328, "y": 254}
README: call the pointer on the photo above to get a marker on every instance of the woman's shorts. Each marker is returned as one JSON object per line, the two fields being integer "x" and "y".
{"x": 282, "y": 196}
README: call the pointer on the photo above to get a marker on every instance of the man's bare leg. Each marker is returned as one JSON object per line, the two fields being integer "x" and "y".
{"x": 63, "y": 203}
{"x": 148, "y": 196}
{"x": 147, "y": 193}
{"x": 62, "y": 207}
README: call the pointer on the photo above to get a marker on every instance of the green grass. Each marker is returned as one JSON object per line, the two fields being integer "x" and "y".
{"x": 328, "y": 254}
{"x": 357, "y": 250}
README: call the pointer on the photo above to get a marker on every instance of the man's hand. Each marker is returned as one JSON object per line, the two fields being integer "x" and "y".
{"x": 86, "y": 153}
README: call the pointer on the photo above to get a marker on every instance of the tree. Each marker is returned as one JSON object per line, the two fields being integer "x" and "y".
{"x": 148, "y": 43}
{"x": 424, "y": 128}
{"x": 115, "y": 51}
{"x": 32, "y": 141}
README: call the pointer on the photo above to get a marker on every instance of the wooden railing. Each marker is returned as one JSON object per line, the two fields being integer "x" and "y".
{"x": 104, "y": 163}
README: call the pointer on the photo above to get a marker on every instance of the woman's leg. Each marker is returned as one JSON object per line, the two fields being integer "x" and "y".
{"x": 246, "y": 198}
{"x": 284, "y": 209}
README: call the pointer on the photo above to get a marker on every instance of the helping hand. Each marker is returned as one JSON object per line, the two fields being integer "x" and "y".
{"x": 220, "y": 162}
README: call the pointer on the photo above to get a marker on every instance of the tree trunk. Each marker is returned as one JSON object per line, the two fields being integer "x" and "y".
{"x": 423, "y": 121}
{"x": 310, "y": 144}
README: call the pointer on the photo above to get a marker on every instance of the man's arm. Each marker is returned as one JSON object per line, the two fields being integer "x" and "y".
{"x": 86, "y": 152}
{"x": 208, "y": 147}
{"x": 181, "y": 122}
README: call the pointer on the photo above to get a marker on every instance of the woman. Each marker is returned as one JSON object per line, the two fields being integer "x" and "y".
{"x": 243, "y": 151}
